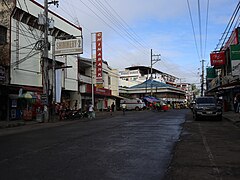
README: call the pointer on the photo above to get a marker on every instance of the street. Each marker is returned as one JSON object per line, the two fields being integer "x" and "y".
{"x": 143, "y": 145}
{"x": 136, "y": 146}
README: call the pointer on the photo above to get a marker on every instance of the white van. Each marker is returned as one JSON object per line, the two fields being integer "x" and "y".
{"x": 133, "y": 104}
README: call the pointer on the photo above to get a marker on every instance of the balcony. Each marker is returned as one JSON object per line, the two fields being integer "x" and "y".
{"x": 84, "y": 79}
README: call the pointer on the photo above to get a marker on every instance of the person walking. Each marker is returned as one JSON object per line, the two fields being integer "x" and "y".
{"x": 90, "y": 111}
{"x": 113, "y": 106}
{"x": 124, "y": 106}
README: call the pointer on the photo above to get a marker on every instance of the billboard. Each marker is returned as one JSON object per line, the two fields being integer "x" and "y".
{"x": 99, "y": 78}
{"x": 235, "y": 59}
{"x": 217, "y": 58}
{"x": 68, "y": 47}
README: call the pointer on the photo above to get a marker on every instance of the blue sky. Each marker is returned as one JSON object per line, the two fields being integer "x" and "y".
{"x": 161, "y": 25}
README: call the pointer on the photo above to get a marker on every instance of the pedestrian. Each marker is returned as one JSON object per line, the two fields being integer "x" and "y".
{"x": 91, "y": 111}
{"x": 113, "y": 106}
{"x": 124, "y": 106}
{"x": 75, "y": 105}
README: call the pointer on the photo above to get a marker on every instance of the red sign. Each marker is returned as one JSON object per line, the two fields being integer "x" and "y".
{"x": 99, "y": 91}
{"x": 217, "y": 58}
{"x": 99, "y": 57}
{"x": 233, "y": 39}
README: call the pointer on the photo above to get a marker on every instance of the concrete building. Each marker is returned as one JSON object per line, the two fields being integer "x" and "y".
{"x": 134, "y": 75}
{"x": 21, "y": 63}
{"x": 103, "y": 97}
{"x": 135, "y": 82}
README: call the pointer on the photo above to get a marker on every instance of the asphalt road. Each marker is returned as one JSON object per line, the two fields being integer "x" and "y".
{"x": 138, "y": 146}
{"x": 207, "y": 150}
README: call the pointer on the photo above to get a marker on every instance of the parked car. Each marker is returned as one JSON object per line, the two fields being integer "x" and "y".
{"x": 207, "y": 107}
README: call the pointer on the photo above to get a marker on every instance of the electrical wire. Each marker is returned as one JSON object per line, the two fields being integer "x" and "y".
{"x": 194, "y": 34}
{"x": 114, "y": 29}
{"x": 200, "y": 28}
{"x": 206, "y": 30}
{"x": 224, "y": 36}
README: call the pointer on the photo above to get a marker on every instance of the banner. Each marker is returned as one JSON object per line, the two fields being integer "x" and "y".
{"x": 217, "y": 58}
{"x": 99, "y": 80}
{"x": 235, "y": 59}
{"x": 58, "y": 91}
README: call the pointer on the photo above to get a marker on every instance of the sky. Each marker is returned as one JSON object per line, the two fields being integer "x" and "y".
{"x": 131, "y": 28}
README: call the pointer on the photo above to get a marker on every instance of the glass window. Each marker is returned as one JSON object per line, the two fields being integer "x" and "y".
{"x": 3, "y": 35}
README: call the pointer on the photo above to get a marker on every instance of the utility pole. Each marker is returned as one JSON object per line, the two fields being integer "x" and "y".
{"x": 154, "y": 59}
{"x": 202, "y": 79}
{"x": 45, "y": 63}
{"x": 45, "y": 60}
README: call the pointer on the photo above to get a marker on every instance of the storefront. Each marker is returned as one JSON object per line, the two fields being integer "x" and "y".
{"x": 24, "y": 103}
{"x": 102, "y": 97}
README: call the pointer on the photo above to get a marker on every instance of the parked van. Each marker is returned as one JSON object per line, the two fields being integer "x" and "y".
{"x": 133, "y": 104}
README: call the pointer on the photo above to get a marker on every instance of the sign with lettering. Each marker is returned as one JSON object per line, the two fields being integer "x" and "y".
{"x": 68, "y": 47}
{"x": 235, "y": 59}
{"x": 99, "y": 80}
{"x": 217, "y": 58}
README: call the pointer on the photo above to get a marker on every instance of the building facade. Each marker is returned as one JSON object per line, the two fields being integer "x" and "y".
{"x": 223, "y": 77}
{"x": 22, "y": 66}
{"x": 103, "y": 97}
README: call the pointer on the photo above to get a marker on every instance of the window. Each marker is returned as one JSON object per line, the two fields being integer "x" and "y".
{"x": 3, "y": 35}
{"x": 109, "y": 80}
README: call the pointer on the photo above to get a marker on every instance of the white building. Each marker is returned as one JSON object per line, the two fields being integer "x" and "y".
{"x": 25, "y": 67}
{"x": 103, "y": 97}
{"x": 138, "y": 74}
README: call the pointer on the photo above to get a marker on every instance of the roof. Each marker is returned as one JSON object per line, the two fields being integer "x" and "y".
{"x": 154, "y": 84}
{"x": 147, "y": 70}
{"x": 144, "y": 69}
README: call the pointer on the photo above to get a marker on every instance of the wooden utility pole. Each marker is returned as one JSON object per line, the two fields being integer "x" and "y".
{"x": 154, "y": 59}
{"x": 202, "y": 79}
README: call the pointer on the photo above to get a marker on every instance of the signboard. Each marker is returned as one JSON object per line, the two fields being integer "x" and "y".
{"x": 217, "y": 58}
{"x": 235, "y": 59}
{"x": 211, "y": 73}
{"x": 44, "y": 99}
{"x": 99, "y": 79}
{"x": 233, "y": 39}
{"x": 68, "y": 47}
{"x": 99, "y": 91}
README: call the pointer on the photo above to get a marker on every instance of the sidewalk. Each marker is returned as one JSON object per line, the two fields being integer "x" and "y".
{"x": 9, "y": 127}
{"x": 233, "y": 117}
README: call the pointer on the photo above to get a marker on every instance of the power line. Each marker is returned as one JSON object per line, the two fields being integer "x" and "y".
{"x": 224, "y": 36}
{"x": 200, "y": 28}
{"x": 194, "y": 34}
{"x": 206, "y": 30}
{"x": 116, "y": 29}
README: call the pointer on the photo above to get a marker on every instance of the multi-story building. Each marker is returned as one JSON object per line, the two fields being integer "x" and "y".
{"x": 135, "y": 82}
{"x": 188, "y": 89}
{"x": 21, "y": 65}
{"x": 138, "y": 74}
{"x": 223, "y": 78}
{"x": 103, "y": 97}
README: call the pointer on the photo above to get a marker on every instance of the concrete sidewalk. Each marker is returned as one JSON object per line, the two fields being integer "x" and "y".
{"x": 9, "y": 127}
{"x": 233, "y": 117}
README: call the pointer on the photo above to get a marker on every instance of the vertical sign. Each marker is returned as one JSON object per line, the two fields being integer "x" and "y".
{"x": 235, "y": 59}
{"x": 99, "y": 80}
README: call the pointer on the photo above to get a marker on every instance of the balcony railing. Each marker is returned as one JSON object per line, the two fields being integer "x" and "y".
{"x": 84, "y": 79}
